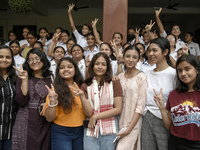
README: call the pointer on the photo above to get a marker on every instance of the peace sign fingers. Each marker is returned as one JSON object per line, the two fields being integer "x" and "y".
{"x": 77, "y": 91}
{"x": 22, "y": 74}
{"x": 16, "y": 69}
{"x": 53, "y": 96}
{"x": 158, "y": 99}
{"x": 48, "y": 88}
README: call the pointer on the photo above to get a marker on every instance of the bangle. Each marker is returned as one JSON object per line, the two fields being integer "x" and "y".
{"x": 52, "y": 105}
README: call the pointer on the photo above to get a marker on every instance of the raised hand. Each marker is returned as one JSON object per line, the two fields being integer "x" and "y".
{"x": 159, "y": 100}
{"x": 94, "y": 22}
{"x": 53, "y": 96}
{"x": 137, "y": 32}
{"x": 56, "y": 36}
{"x": 22, "y": 74}
{"x": 71, "y": 6}
{"x": 114, "y": 46}
{"x": 184, "y": 49}
{"x": 87, "y": 61}
{"x": 148, "y": 27}
{"x": 157, "y": 12}
{"x": 77, "y": 91}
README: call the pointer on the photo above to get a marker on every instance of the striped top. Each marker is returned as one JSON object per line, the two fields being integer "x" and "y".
{"x": 7, "y": 109}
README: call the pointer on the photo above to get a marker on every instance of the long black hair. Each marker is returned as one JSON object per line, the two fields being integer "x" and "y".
{"x": 65, "y": 95}
{"x": 192, "y": 60}
{"x": 108, "y": 75}
{"x": 46, "y": 64}
{"x": 11, "y": 71}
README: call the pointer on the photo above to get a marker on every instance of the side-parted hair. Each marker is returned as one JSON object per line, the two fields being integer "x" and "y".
{"x": 12, "y": 31}
{"x": 15, "y": 41}
{"x": 11, "y": 71}
{"x": 91, "y": 74}
{"x": 32, "y": 33}
{"x": 119, "y": 34}
{"x": 163, "y": 43}
{"x": 65, "y": 95}
{"x": 46, "y": 64}
{"x": 112, "y": 56}
{"x": 59, "y": 47}
{"x": 66, "y": 31}
{"x": 192, "y": 60}
{"x": 38, "y": 42}
{"x": 71, "y": 39}
{"x": 132, "y": 48}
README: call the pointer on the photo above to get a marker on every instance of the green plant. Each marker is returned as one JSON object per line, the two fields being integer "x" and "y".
{"x": 21, "y": 6}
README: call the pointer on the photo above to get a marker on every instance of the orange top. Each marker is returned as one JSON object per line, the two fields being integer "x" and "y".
{"x": 73, "y": 119}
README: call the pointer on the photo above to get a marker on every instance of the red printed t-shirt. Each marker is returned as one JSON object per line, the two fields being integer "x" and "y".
{"x": 185, "y": 114}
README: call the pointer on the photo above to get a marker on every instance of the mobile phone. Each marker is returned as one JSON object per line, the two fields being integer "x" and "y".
{"x": 86, "y": 122}
{"x": 116, "y": 139}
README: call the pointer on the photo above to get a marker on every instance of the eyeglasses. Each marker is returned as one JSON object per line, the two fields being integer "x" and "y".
{"x": 30, "y": 38}
{"x": 32, "y": 60}
{"x": 177, "y": 29}
{"x": 171, "y": 39}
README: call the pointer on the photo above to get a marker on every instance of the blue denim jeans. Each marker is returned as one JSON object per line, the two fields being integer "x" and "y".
{"x": 103, "y": 142}
{"x": 66, "y": 138}
{"x": 6, "y": 144}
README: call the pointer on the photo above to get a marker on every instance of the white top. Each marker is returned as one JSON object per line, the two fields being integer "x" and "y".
{"x": 18, "y": 61}
{"x": 46, "y": 47}
{"x": 193, "y": 48}
{"x": 62, "y": 44}
{"x": 67, "y": 55}
{"x": 53, "y": 67}
{"x": 80, "y": 39}
{"x": 166, "y": 80}
{"x": 91, "y": 53}
{"x": 114, "y": 66}
{"x": 145, "y": 66}
{"x": 7, "y": 44}
{"x": 81, "y": 66}
{"x": 23, "y": 42}
{"x": 47, "y": 44}
{"x": 133, "y": 41}
{"x": 138, "y": 65}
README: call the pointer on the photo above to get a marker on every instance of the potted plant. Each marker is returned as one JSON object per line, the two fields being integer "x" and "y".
{"x": 21, "y": 6}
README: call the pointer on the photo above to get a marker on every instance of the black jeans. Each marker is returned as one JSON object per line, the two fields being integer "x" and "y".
{"x": 175, "y": 143}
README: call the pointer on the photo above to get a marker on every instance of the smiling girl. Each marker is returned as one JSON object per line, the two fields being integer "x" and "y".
{"x": 77, "y": 53}
{"x": 64, "y": 108}
{"x": 31, "y": 38}
{"x": 102, "y": 102}
{"x": 7, "y": 95}
{"x": 58, "y": 53}
{"x": 81, "y": 39}
{"x": 134, "y": 85}
{"x": 31, "y": 130}
{"x": 162, "y": 76}
{"x": 183, "y": 103}
{"x": 15, "y": 47}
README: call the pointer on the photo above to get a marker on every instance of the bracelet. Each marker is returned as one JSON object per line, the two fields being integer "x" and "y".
{"x": 52, "y": 105}
{"x": 54, "y": 40}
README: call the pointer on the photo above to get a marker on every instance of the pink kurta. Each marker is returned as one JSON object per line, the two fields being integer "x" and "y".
{"x": 134, "y": 99}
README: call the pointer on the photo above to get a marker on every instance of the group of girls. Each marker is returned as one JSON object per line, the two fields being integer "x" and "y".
{"x": 85, "y": 107}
